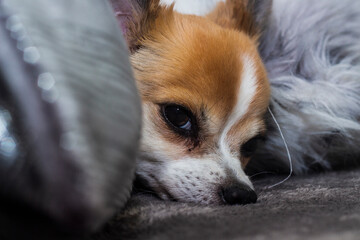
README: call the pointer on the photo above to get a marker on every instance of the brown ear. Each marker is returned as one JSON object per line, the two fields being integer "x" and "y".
{"x": 250, "y": 16}
{"x": 135, "y": 18}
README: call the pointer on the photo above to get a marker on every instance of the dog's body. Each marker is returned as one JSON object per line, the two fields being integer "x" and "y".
{"x": 205, "y": 92}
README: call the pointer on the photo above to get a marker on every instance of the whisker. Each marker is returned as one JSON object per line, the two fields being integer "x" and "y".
{"x": 287, "y": 150}
{"x": 261, "y": 173}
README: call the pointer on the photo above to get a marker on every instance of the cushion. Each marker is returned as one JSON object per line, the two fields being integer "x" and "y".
{"x": 70, "y": 113}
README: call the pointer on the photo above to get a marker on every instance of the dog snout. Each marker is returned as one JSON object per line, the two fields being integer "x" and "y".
{"x": 238, "y": 194}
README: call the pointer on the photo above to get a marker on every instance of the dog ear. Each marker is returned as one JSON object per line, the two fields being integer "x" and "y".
{"x": 250, "y": 16}
{"x": 135, "y": 18}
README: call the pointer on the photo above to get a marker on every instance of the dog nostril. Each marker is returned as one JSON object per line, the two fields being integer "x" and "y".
{"x": 238, "y": 195}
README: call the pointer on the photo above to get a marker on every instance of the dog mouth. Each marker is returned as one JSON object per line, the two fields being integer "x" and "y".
{"x": 143, "y": 186}
{"x": 204, "y": 183}
{"x": 161, "y": 191}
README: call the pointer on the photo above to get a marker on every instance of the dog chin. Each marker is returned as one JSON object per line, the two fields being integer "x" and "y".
{"x": 188, "y": 180}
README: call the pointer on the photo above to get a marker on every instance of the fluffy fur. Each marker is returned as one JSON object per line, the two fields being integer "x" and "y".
{"x": 210, "y": 66}
{"x": 197, "y": 7}
{"x": 312, "y": 53}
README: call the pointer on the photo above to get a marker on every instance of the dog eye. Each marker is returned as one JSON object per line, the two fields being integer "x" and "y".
{"x": 178, "y": 117}
{"x": 249, "y": 148}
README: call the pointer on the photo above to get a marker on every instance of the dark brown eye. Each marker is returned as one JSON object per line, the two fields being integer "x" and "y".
{"x": 178, "y": 117}
{"x": 249, "y": 148}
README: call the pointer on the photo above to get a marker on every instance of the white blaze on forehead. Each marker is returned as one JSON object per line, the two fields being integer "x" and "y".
{"x": 245, "y": 95}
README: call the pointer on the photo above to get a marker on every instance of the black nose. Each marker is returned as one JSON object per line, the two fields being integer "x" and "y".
{"x": 238, "y": 194}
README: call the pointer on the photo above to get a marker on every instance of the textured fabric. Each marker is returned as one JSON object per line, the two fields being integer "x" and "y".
{"x": 321, "y": 207}
{"x": 69, "y": 89}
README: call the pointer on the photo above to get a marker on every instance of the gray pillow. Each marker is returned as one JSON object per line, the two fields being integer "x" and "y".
{"x": 69, "y": 111}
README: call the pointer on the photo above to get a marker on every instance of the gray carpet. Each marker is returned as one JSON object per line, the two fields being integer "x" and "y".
{"x": 321, "y": 206}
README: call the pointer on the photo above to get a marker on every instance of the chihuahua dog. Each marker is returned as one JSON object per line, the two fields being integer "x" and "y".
{"x": 204, "y": 93}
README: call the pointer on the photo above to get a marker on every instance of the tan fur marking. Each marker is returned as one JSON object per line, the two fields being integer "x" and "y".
{"x": 196, "y": 62}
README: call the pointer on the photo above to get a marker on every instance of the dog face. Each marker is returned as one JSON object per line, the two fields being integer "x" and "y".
{"x": 204, "y": 91}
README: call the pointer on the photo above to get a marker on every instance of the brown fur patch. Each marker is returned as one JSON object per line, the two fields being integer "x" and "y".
{"x": 193, "y": 62}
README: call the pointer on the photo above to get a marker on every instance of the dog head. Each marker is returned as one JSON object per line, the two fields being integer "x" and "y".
{"x": 204, "y": 90}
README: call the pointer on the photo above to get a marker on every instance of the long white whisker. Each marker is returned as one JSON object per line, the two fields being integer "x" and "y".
{"x": 287, "y": 150}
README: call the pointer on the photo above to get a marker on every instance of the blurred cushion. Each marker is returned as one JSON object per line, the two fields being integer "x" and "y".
{"x": 69, "y": 111}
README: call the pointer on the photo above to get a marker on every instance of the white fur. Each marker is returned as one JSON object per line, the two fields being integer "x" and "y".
{"x": 245, "y": 95}
{"x": 177, "y": 177}
{"x": 312, "y": 53}
{"x": 197, "y": 7}
{"x": 187, "y": 180}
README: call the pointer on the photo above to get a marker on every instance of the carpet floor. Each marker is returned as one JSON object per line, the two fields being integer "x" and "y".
{"x": 321, "y": 206}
